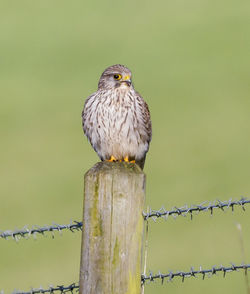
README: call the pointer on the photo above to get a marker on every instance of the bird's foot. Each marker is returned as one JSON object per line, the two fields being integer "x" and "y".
{"x": 127, "y": 160}
{"x": 112, "y": 159}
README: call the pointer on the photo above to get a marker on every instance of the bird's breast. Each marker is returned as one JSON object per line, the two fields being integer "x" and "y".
{"x": 119, "y": 111}
{"x": 116, "y": 125}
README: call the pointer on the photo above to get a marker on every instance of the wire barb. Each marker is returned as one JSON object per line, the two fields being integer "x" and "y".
{"x": 203, "y": 207}
{"x": 193, "y": 273}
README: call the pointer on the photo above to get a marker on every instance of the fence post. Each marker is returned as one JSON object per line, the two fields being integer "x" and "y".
{"x": 114, "y": 197}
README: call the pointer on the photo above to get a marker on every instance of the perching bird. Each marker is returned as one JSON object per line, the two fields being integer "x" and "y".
{"x": 116, "y": 119}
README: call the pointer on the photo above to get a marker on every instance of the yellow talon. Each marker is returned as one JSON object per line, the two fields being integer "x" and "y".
{"x": 112, "y": 159}
{"x": 127, "y": 160}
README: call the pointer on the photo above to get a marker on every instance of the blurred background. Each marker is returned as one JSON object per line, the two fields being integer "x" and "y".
{"x": 190, "y": 61}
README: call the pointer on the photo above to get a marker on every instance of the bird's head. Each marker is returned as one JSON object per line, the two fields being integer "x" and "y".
{"x": 115, "y": 76}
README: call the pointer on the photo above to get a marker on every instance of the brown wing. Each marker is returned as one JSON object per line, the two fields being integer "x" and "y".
{"x": 145, "y": 116}
{"x": 86, "y": 116}
{"x": 147, "y": 125}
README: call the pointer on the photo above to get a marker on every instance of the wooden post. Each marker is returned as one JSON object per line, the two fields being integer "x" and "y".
{"x": 114, "y": 197}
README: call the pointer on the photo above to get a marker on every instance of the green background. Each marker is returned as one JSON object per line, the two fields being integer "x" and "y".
{"x": 191, "y": 62}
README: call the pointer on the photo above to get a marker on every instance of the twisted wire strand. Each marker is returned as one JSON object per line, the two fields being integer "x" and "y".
{"x": 153, "y": 214}
{"x": 189, "y": 210}
{"x": 194, "y": 273}
{"x": 34, "y": 230}
{"x": 73, "y": 288}
{"x": 145, "y": 279}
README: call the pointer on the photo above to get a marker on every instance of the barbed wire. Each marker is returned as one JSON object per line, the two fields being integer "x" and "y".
{"x": 154, "y": 214}
{"x": 189, "y": 210}
{"x": 193, "y": 273}
{"x": 145, "y": 279}
{"x": 62, "y": 289}
{"x": 34, "y": 230}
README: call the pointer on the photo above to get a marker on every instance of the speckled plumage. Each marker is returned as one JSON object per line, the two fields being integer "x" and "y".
{"x": 116, "y": 119}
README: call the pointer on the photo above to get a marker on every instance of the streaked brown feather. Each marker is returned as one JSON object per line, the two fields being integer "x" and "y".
{"x": 116, "y": 119}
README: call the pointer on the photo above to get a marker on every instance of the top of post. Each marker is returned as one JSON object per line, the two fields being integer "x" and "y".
{"x": 115, "y": 167}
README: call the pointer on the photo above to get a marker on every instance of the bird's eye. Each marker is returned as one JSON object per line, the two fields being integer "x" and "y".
{"x": 117, "y": 77}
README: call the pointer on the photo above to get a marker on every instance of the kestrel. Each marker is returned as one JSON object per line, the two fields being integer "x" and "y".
{"x": 116, "y": 119}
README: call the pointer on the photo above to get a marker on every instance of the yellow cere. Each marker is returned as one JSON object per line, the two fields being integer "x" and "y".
{"x": 126, "y": 78}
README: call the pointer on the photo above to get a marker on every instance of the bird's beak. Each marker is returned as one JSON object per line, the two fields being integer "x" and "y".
{"x": 127, "y": 80}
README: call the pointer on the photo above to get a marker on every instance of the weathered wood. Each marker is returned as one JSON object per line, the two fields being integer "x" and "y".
{"x": 114, "y": 196}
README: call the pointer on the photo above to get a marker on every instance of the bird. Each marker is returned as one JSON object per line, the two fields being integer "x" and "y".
{"x": 116, "y": 119}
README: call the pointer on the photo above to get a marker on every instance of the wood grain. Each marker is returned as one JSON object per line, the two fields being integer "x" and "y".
{"x": 114, "y": 197}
